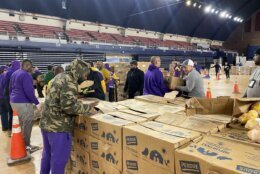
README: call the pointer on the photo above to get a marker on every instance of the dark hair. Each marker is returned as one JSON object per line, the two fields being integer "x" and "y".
{"x": 50, "y": 67}
{"x": 25, "y": 61}
{"x": 134, "y": 62}
{"x": 91, "y": 63}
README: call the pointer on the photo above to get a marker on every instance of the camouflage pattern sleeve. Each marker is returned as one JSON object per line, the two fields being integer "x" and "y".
{"x": 68, "y": 100}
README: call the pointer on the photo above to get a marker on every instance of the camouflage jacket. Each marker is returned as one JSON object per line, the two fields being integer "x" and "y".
{"x": 61, "y": 104}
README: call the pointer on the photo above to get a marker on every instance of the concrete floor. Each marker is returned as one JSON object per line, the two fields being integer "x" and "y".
{"x": 218, "y": 87}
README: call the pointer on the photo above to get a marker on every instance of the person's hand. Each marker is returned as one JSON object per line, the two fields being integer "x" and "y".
{"x": 39, "y": 107}
{"x": 173, "y": 87}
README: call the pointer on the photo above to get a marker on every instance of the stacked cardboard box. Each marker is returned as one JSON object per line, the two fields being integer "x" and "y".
{"x": 149, "y": 147}
{"x": 121, "y": 70}
{"x": 242, "y": 70}
{"x": 217, "y": 155}
{"x": 203, "y": 115}
{"x": 143, "y": 66}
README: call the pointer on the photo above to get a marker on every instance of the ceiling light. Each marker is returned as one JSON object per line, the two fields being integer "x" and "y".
{"x": 207, "y": 9}
{"x": 226, "y": 15}
{"x": 200, "y": 6}
{"x": 188, "y": 3}
{"x": 216, "y": 11}
{"x": 195, "y": 4}
{"x": 230, "y": 17}
{"x": 222, "y": 14}
{"x": 212, "y": 10}
{"x": 235, "y": 18}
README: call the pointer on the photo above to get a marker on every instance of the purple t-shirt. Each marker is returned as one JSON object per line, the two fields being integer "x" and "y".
{"x": 21, "y": 88}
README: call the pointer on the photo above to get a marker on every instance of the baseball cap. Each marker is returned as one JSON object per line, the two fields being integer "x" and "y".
{"x": 187, "y": 62}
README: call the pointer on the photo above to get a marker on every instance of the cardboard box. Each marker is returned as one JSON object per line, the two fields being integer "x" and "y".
{"x": 242, "y": 105}
{"x": 175, "y": 81}
{"x": 143, "y": 66}
{"x": 82, "y": 124}
{"x": 80, "y": 161}
{"x": 134, "y": 165}
{"x": 98, "y": 166}
{"x": 180, "y": 119}
{"x": 214, "y": 106}
{"x": 129, "y": 117}
{"x": 156, "y": 142}
{"x": 81, "y": 140}
{"x": 217, "y": 155}
{"x": 238, "y": 135}
{"x": 150, "y": 107}
{"x": 109, "y": 154}
{"x": 108, "y": 128}
{"x": 154, "y": 99}
{"x": 106, "y": 107}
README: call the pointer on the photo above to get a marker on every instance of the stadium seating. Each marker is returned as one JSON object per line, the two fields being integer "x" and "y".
{"x": 43, "y": 31}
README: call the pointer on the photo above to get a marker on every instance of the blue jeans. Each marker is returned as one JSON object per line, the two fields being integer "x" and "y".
{"x": 6, "y": 113}
{"x": 56, "y": 151}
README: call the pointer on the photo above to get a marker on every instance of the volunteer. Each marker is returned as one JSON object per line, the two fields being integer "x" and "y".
{"x": 253, "y": 89}
{"x": 194, "y": 83}
{"x": 60, "y": 108}
{"x": 153, "y": 79}
{"x": 22, "y": 98}
{"x": 135, "y": 81}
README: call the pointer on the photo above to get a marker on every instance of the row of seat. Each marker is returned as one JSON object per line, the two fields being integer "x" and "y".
{"x": 32, "y": 30}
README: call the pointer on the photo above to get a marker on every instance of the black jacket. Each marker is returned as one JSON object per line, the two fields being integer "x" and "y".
{"x": 135, "y": 81}
{"x": 99, "y": 93}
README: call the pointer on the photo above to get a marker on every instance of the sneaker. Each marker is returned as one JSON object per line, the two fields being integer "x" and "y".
{"x": 32, "y": 149}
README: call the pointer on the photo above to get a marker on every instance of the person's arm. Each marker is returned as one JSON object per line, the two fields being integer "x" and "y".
{"x": 190, "y": 84}
{"x": 141, "y": 78}
{"x": 68, "y": 100}
{"x": 29, "y": 89}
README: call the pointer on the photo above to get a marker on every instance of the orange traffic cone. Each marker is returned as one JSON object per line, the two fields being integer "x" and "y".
{"x": 18, "y": 152}
{"x": 208, "y": 93}
{"x": 236, "y": 89}
{"x": 218, "y": 76}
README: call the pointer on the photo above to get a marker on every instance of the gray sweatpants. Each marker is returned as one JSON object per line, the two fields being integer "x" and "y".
{"x": 25, "y": 112}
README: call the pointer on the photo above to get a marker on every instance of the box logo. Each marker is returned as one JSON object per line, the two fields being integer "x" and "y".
{"x": 131, "y": 165}
{"x": 109, "y": 137}
{"x": 190, "y": 167}
{"x": 131, "y": 140}
{"x": 94, "y": 126}
{"x": 155, "y": 156}
{"x": 94, "y": 145}
{"x": 247, "y": 170}
{"x": 109, "y": 157}
{"x": 95, "y": 164}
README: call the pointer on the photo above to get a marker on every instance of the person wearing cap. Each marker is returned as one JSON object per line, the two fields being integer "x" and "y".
{"x": 134, "y": 84}
{"x": 6, "y": 109}
{"x": 194, "y": 83}
{"x": 22, "y": 98}
{"x": 253, "y": 89}
{"x": 58, "y": 115}
{"x": 153, "y": 79}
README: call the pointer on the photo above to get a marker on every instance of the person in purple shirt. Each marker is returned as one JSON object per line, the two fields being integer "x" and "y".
{"x": 7, "y": 116}
{"x": 22, "y": 98}
{"x": 3, "y": 110}
{"x": 153, "y": 79}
